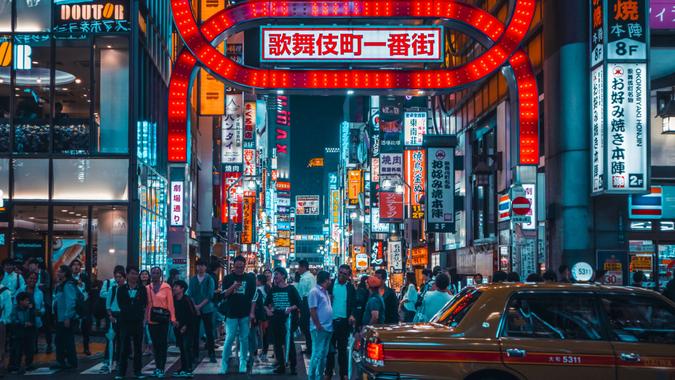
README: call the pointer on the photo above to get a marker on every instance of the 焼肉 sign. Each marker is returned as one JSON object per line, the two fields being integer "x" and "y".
{"x": 348, "y": 44}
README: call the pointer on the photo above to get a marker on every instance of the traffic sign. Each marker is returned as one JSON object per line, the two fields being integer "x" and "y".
{"x": 521, "y": 206}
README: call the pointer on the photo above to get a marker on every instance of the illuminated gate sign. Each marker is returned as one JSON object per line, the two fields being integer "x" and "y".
{"x": 342, "y": 44}
{"x": 619, "y": 96}
{"x": 502, "y": 44}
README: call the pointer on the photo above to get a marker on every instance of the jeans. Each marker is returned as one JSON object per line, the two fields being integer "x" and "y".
{"x": 159, "y": 333}
{"x": 317, "y": 364}
{"x": 339, "y": 342}
{"x": 65, "y": 345}
{"x": 278, "y": 330}
{"x": 207, "y": 319}
{"x": 185, "y": 344}
{"x": 304, "y": 324}
{"x": 116, "y": 343}
{"x": 130, "y": 332}
{"x": 233, "y": 328}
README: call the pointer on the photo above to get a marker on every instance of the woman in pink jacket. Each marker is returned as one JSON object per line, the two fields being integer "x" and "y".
{"x": 160, "y": 313}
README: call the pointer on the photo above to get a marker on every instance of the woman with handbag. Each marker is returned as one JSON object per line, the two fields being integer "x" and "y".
{"x": 159, "y": 313}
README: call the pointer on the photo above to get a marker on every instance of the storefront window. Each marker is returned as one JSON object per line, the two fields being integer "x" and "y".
{"x": 33, "y": 16}
{"x": 32, "y": 56}
{"x": 5, "y": 89}
{"x": 91, "y": 179}
{"x": 31, "y": 179}
{"x": 70, "y": 238}
{"x": 72, "y": 96}
{"x": 31, "y": 228}
{"x": 109, "y": 239}
{"x": 666, "y": 264}
{"x": 153, "y": 239}
{"x": 111, "y": 111}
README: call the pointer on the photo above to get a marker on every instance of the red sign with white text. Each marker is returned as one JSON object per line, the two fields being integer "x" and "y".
{"x": 235, "y": 199}
{"x": 391, "y": 207}
{"x": 306, "y": 44}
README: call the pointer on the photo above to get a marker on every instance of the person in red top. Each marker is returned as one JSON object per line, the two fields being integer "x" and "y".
{"x": 159, "y": 313}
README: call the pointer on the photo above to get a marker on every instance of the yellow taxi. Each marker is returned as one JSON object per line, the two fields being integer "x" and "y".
{"x": 530, "y": 331}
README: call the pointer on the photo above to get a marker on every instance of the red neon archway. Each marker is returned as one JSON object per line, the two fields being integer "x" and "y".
{"x": 198, "y": 40}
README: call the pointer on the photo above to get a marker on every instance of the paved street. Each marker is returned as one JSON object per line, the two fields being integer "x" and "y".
{"x": 91, "y": 368}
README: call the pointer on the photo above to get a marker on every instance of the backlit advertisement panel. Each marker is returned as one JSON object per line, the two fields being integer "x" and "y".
{"x": 355, "y": 186}
{"x": 415, "y": 126}
{"x": 230, "y": 184}
{"x": 391, "y": 207}
{"x": 415, "y": 176}
{"x": 233, "y": 129}
{"x": 441, "y": 189}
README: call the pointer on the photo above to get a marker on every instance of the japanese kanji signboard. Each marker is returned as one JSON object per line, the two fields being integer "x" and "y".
{"x": 619, "y": 96}
{"x": 440, "y": 189}
{"x": 177, "y": 203}
{"x": 415, "y": 176}
{"x": 233, "y": 129}
{"x": 415, "y": 126}
{"x": 346, "y": 44}
{"x": 391, "y": 165}
{"x": 247, "y": 235}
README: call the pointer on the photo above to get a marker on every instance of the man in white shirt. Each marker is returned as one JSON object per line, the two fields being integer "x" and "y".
{"x": 306, "y": 284}
{"x": 344, "y": 303}
{"x": 12, "y": 280}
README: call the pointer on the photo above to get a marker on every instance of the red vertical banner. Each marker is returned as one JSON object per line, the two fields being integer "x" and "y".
{"x": 235, "y": 199}
{"x": 415, "y": 169}
{"x": 248, "y": 219}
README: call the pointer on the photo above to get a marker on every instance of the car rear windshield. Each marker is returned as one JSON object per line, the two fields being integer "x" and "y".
{"x": 455, "y": 310}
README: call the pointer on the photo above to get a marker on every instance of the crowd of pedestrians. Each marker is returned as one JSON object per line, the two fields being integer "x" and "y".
{"x": 145, "y": 313}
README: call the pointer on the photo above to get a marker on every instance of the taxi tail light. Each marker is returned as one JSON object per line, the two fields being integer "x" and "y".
{"x": 375, "y": 352}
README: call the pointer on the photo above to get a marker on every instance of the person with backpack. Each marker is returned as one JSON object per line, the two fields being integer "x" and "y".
{"x": 12, "y": 280}
{"x": 202, "y": 288}
{"x": 67, "y": 300}
{"x": 132, "y": 299}
{"x": 113, "y": 311}
{"x": 159, "y": 314}
{"x": 6, "y": 306}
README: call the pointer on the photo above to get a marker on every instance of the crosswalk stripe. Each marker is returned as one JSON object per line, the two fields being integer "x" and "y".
{"x": 207, "y": 368}
{"x": 150, "y": 367}
{"x": 45, "y": 371}
{"x": 95, "y": 370}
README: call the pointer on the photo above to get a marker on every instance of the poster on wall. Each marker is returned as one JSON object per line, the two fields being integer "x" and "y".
{"x": 232, "y": 129}
{"x": 64, "y": 251}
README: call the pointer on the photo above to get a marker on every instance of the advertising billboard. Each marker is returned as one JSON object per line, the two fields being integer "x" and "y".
{"x": 391, "y": 123}
{"x": 250, "y": 114}
{"x": 248, "y": 214}
{"x": 177, "y": 203}
{"x": 415, "y": 176}
{"x": 391, "y": 207}
{"x": 350, "y": 44}
{"x": 307, "y": 205}
{"x": 232, "y": 144}
{"x": 441, "y": 189}
{"x": 355, "y": 186}
{"x": 230, "y": 184}
{"x": 280, "y": 132}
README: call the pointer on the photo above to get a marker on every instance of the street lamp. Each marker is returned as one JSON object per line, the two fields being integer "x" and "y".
{"x": 666, "y": 110}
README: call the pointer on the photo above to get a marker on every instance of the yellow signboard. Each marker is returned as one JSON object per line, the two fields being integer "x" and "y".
{"x": 211, "y": 92}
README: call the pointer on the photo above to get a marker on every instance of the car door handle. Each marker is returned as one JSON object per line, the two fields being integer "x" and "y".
{"x": 516, "y": 353}
{"x": 629, "y": 357}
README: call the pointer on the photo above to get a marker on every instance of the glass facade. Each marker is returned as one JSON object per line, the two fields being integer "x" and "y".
{"x": 65, "y": 122}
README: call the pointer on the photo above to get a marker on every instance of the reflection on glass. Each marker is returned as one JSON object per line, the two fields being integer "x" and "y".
{"x": 5, "y": 90}
{"x": 153, "y": 239}
{"x": 31, "y": 226}
{"x": 31, "y": 117}
{"x": 109, "y": 239}
{"x": 111, "y": 112}
{"x": 91, "y": 179}
{"x": 5, "y": 15}
{"x": 666, "y": 264}
{"x": 31, "y": 179}
{"x": 33, "y": 16}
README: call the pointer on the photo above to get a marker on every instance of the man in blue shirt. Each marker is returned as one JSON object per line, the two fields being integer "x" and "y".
{"x": 201, "y": 291}
{"x": 321, "y": 328}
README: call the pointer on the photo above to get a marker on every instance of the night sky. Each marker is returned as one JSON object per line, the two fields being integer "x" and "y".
{"x": 315, "y": 125}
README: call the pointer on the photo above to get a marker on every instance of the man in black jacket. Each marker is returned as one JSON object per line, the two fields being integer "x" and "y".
{"x": 132, "y": 299}
{"x": 343, "y": 296}
{"x": 390, "y": 301}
